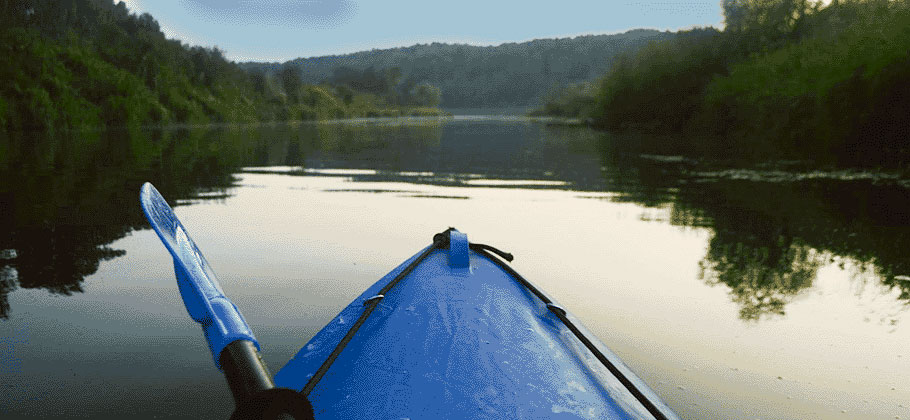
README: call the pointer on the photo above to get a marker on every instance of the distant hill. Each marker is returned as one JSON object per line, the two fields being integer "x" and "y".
{"x": 512, "y": 74}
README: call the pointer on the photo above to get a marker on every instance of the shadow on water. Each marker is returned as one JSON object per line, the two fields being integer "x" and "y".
{"x": 64, "y": 199}
{"x": 769, "y": 239}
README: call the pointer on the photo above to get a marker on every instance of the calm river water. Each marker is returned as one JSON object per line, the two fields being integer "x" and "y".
{"x": 761, "y": 294}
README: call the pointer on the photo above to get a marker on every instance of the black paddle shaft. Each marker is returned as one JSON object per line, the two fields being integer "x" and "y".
{"x": 254, "y": 391}
{"x": 244, "y": 370}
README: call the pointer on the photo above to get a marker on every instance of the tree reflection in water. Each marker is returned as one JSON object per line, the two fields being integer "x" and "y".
{"x": 769, "y": 239}
{"x": 762, "y": 277}
{"x": 65, "y": 198}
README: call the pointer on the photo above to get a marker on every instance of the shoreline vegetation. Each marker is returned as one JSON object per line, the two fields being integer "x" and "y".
{"x": 785, "y": 79}
{"x": 74, "y": 64}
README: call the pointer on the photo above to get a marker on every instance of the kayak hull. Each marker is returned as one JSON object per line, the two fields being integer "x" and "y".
{"x": 457, "y": 335}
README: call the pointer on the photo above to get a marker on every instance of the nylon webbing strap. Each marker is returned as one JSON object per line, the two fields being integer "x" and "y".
{"x": 440, "y": 240}
{"x": 561, "y": 314}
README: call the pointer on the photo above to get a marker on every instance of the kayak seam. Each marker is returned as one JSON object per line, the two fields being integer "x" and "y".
{"x": 561, "y": 313}
{"x": 370, "y": 306}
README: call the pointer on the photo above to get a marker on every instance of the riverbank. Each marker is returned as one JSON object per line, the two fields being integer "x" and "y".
{"x": 783, "y": 80}
{"x": 94, "y": 64}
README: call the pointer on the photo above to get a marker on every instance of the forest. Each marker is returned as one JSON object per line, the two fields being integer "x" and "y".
{"x": 784, "y": 79}
{"x": 89, "y": 63}
{"x": 467, "y": 76}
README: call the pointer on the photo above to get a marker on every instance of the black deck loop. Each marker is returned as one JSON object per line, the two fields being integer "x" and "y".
{"x": 558, "y": 310}
{"x": 441, "y": 239}
{"x": 502, "y": 254}
{"x": 373, "y": 300}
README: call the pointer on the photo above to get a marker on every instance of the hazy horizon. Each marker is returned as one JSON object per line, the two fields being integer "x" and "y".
{"x": 252, "y": 31}
{"x": 451, "y": 43}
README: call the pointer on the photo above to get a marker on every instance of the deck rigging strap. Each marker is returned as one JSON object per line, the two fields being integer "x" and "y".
{"x": 561, "y": 313}
{"x": 440, "y": 240}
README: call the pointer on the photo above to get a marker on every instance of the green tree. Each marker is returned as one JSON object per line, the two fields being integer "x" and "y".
{"x": 774, "y": 16}
{"x": 425, "y": 94}
{"x": 290, "y": 81}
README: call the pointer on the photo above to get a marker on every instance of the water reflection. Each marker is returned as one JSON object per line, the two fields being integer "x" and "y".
{"x": 762, "y": 276}
{"x": 64, "y": 199}
{"x": 772, "y": 235}
{"x": 474, "y": 152}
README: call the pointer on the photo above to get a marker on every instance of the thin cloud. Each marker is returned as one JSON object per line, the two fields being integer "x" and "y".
{"x": 320, "y": 14}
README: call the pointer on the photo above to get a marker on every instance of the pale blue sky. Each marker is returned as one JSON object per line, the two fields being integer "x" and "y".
{"x": 280, "y": 30}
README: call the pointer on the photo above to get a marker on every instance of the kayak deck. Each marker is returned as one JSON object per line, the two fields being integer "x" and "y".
{"x": 457, "y": 335}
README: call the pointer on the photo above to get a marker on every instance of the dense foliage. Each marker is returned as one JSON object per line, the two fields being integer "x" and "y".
{"x": 77, "y": 63}
{"x": 511, "y": 74}
{"x": 784, "y": 79}
{"x": 842, "y": 92}
{"x": 573, "y": 101}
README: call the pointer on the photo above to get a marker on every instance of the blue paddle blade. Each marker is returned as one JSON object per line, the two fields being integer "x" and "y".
{"x": 222, "y": 323}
